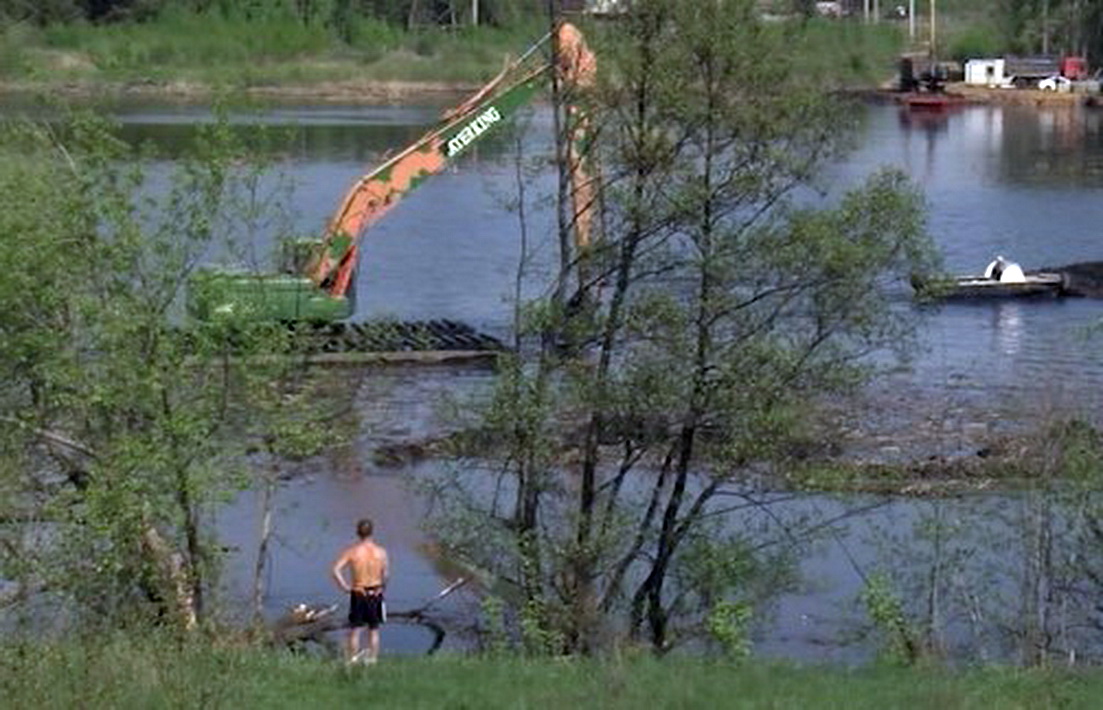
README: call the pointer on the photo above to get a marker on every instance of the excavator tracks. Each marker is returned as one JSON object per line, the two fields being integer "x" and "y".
{"x": 425, "y": 340}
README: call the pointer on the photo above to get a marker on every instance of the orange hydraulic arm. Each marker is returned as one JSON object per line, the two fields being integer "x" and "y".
{"x": 373, "y": 195}
{"x": 578, "y": 70}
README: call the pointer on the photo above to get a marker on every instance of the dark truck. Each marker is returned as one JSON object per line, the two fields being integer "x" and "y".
{"x": 1026, "y": 72}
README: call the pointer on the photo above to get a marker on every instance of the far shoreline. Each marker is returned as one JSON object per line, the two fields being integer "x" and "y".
{"x": 386, "y": 92}
{"x": 969, "y": 95}
{"x": 365, "y": 92}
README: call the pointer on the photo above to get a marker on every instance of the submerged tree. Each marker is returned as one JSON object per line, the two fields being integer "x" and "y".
{"x": 720, "y": 306}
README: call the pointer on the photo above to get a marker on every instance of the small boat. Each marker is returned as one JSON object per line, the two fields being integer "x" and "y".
{"x": 1039, "y": 283}
{"x": 1002, "y": 279}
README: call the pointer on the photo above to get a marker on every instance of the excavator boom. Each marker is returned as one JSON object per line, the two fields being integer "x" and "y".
{"x": 377, "y": 192}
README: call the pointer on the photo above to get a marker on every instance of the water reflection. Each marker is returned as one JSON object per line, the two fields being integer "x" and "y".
{"x": 928, "y": 121}
{"x": 361, "y": 135}
{"x": 924, "y": 125}
{"x": 1048, "y": 146}
{"x": 315, "y": 515}
{"x": 1008, "y": 326}
{"x": 1054, "y": 147}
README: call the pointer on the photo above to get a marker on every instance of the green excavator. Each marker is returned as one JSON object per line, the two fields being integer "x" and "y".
{"x": 317, "y": 277}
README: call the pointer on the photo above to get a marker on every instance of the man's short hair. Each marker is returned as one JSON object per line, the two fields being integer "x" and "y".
{"x": 364, "y": 528}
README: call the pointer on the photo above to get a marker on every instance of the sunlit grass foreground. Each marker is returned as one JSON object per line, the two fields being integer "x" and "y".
{"x": 125, "y": 673}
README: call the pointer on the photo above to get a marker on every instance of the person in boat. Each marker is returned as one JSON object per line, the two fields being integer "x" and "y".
{"x": 1004, "y": 271}
{"x": 995, "y": 269}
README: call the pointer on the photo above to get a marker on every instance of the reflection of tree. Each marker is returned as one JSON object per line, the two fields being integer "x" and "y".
{"x": 337, "y": 142}
{"x": 353, "y": 140}
{"x": 1059, "y": 147}
{"x": 929, "y": 123}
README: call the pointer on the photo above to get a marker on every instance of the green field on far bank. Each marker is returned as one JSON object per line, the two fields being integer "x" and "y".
{"x": 214, "y": 49}
{"x": 126, "y": 673}
{"x": 200, "y": 44}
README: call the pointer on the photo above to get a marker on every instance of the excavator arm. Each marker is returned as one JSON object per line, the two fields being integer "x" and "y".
{"x": 372, "y": 196}
{"x": 317, "y": 286}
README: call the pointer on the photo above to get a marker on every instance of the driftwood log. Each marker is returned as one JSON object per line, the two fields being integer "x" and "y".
{"x": 310, "y": 623}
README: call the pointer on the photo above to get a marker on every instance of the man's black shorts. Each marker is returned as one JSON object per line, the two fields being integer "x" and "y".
{"x": 367, "y": 608}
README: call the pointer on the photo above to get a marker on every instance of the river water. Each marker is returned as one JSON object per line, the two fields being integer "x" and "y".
{"x": 1017, "y": 181}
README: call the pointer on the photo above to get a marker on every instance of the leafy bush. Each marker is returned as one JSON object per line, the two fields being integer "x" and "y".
{"x": 188, "y": 39}
{"x": 846, "y": 53}
{"x": 374, "y": 36}
{"x": 976, "y": 41}
{"x": 40, "y": 12}
{"x": 14, "y": 40}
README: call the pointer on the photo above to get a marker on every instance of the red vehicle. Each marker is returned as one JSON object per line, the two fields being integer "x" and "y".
{"x": 1075, "y": 68}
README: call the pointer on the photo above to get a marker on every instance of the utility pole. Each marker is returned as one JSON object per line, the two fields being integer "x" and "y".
{"x": 1045, "y": 27}
{"x": 474, "y": 13}
{"x": 933, "y": 51}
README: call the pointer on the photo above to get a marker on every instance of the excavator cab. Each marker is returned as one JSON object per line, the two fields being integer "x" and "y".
{"x": 215, "y": 293}
{"x": 286, "y": 295}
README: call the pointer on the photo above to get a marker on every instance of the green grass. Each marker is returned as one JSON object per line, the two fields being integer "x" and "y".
{"x": 849, "y": 53}
{"x": 14, "y": 43}
{"x": 275, "y": 48}
{"x": 121, "y": 673}
{"x": 187, "y": 39}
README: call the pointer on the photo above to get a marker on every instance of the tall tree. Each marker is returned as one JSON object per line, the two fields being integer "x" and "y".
{"x": 721, "y": 310}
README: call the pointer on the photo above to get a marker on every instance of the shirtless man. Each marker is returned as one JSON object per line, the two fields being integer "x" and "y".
{"x": 368, "y": 562}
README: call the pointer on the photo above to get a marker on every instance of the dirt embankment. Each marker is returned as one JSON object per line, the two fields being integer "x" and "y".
{"x": 967, "y": 94}
{"x": 1019, "y": 97}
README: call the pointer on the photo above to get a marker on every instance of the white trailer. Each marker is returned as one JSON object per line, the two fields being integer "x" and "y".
{"x": 987, "y": 72}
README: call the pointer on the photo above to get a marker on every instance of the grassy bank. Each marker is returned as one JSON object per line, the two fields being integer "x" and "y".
{"x": 191, "y": 53}
{"x": 123, "y": 674}
{"x": 214, "y": 49}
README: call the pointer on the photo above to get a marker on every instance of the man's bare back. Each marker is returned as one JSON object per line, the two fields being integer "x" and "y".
{"x": 367, "y": 563}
